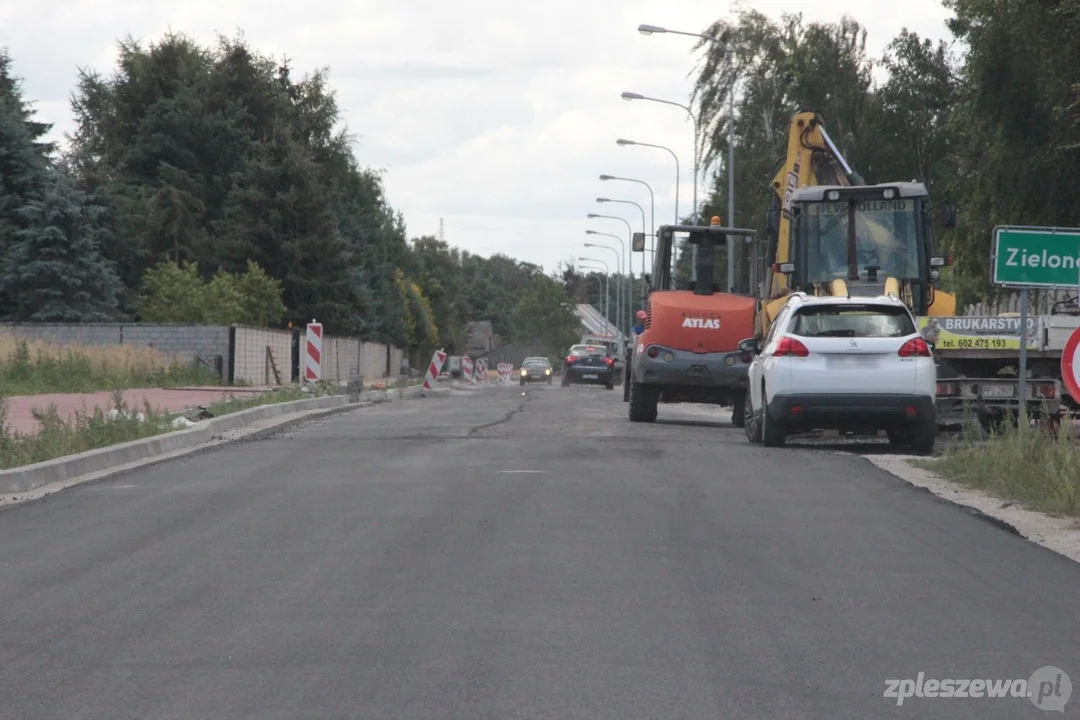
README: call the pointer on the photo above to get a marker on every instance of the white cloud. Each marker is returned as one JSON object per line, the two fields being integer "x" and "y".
{"x": 497, "y": 117}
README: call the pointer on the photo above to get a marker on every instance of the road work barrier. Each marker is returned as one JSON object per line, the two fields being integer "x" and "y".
{"x": 506, "y": 376}
{"x": 432, "y": 376}
{"x": 467, "y": 369}
{"x": 482, "y": 370}
{"x": 313, "y": 363}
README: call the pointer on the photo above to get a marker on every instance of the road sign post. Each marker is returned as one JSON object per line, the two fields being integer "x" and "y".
{"x": 1034, "y": 257}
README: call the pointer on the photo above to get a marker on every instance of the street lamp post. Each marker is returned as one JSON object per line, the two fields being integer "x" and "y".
{"x": 623, "y": 142}
{"x": 625, "y": 280}
{"x": 649, "y": 30}
{"x": 625, "y": 260}
{"x": 697, "y": 133}
{"x": 630, "y": 256}
{"x": 652, "y": 206}
{"x": 607, "y": 284}
{"x": 616, "y": 251}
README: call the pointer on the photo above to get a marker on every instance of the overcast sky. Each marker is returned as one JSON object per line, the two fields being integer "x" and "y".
{"x": 497, "y": 117}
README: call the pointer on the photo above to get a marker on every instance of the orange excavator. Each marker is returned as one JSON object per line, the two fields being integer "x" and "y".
{"x": 689, "y": 350}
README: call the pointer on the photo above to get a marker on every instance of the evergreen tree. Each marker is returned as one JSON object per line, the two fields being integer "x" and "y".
{"x": 24, "y": 160}
{"x": 54, "y": 271}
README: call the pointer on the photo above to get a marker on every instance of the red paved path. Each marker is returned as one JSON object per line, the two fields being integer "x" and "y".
{"x": 20, "y": 408}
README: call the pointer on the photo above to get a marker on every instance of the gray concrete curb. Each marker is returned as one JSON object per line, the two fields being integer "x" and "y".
{"x": 169, "y": 445}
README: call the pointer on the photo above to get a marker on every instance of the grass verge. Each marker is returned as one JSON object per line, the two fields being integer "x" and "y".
{"x": 36, "y": 366}
{"x": 120, "y": 424}
{"x": 1034, "y": 466}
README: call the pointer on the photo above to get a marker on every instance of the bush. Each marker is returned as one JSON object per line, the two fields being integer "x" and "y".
{"x": 1038, "y": 467}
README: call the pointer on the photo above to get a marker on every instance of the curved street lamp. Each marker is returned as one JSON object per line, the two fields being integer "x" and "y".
{"x": 651, "y": 29}
{"x": 618, "y": 291}
{"x": 607, "y": 284}
{"x": 624, "y": 267}
{"x": 624, "y": 142}
{"x": 652, "y": 205}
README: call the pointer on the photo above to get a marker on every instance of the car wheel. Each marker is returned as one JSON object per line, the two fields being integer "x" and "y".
{"x": 738, "y": 411}
{"x": 752, "y": 425}
{"x": 523, "y": 382}
{"x": 773, "y": 433}
{"x": 643, "y": 400}
{"x": 549, "y": 380}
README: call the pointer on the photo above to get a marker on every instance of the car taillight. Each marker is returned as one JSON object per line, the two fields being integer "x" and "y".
{"x": 569, "y": 359}
{"x": 789, "y": 346}
{"x": 610, "y": 361}
{"x": 915, "y": 347}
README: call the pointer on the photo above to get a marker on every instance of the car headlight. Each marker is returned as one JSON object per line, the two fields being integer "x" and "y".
{"x": 524, "y": 371}
{"x": 547, "y": 371}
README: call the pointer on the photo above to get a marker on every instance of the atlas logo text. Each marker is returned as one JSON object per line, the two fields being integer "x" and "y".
{"x": 713, "y": 324}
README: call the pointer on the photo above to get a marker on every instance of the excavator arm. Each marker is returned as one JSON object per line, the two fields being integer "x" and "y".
{"x": 812, "y": 159}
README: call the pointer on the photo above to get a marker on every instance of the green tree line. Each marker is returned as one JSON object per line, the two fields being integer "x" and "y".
{"x": 993, "y": 128}
{"x": 210, "y": 185}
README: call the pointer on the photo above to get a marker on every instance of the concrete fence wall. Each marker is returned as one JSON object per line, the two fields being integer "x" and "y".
{"x": 240, "y": 354}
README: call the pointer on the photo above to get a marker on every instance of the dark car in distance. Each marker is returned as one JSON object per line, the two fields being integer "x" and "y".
{"x": 536, "y": 368}
{"x": 589, "y": 364}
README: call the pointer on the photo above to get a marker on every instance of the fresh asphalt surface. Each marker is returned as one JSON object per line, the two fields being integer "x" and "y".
{"x": 508, "y": 554}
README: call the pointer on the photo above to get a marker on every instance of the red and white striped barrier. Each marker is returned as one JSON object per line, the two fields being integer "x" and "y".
{"x": 313, "y": 354}
{"x": 506, "y": 373}
{"x": 481, "y": 370}
{"x": 437, "y": 361}
{"x": 467, "y": 369}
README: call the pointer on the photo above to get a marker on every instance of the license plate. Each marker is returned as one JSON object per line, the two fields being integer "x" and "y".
{"x": 850, "y": 360}
{"x": 996, "y": 391}
{"x": 590, "y": 377}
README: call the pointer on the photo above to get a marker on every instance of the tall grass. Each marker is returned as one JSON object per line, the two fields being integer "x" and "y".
{"x": 1038, "y": 467}
{"x": 90, "y": 431}
{"x": 29, "y": 367}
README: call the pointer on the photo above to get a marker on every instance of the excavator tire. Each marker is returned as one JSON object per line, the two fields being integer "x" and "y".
{"x": 643, "y": 401}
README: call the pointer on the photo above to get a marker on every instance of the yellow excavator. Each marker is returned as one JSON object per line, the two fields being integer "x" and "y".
{"x": 828, "y": 233}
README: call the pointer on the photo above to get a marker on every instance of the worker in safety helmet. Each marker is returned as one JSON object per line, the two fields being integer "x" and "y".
{"x": 640, "y": 326}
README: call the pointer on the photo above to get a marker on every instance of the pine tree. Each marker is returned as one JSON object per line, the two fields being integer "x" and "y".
{"x": 54, "y": 271}
{"x": 24, "y": 161}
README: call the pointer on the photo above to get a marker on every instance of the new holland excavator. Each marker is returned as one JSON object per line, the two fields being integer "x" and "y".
{"x": 689, "y": 350}
{"x": 828, "y": 233}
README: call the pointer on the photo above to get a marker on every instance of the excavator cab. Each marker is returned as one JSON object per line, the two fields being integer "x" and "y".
{"x": 864, "y": 240}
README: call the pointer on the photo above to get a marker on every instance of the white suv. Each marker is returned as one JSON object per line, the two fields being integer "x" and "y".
{"x": 845, "y": 364}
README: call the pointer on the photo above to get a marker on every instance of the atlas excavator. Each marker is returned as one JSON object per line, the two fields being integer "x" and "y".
{"x": 689, "y": 349}
{"x": 829, "y": 233}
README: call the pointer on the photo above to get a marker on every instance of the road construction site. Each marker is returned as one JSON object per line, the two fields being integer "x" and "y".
{"x": 513, "y": 552}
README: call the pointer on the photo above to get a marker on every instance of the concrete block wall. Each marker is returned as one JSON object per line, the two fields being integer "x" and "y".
{"x": 250, "y": 361}
{"x": 340, "y": 358}
{"x": 396, "y": 356}
{"x": 183, "y": 343}
{"x": 242, "y": 350}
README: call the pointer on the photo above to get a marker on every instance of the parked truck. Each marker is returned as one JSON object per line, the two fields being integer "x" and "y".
{"x": 978, "y": 359}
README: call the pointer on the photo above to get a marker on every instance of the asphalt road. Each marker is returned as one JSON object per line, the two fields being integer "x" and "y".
{"x": 517, "y": 555}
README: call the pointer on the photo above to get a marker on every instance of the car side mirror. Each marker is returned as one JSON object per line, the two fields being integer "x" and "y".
{"x": 750, "y": 345}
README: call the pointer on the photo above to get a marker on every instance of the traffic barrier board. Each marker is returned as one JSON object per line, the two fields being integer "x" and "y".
{"x": 1036, "y": 257}
{"x": 1070, "y": 365}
